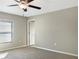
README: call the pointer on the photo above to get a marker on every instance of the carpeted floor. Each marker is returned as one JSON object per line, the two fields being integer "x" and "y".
{"x": 33, "y": 53}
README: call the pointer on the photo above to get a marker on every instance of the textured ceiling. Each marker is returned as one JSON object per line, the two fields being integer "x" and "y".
{"x": 46, "y": 5}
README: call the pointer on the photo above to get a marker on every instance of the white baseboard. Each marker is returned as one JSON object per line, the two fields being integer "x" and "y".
{"x": 14, "y": 48}
{"x": 55, "y": 51}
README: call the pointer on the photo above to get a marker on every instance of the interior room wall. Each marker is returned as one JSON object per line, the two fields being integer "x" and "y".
{"x": 19, "y": 31}
{"x": 57, "y": 30}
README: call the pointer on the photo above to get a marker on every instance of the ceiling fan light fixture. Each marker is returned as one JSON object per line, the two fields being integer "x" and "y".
{"x": 23, "y": 5}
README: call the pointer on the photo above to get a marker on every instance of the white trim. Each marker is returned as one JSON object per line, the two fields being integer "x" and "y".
{"x": 28, "y": 32}
{"x": 55, "y": 51}
{"x": 14, "y": 48}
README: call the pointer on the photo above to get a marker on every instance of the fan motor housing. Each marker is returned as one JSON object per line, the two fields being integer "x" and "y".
{"x": 25, "y": 10}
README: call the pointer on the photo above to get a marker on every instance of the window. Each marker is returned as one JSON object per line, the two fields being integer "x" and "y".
{"x": 5, "y": 31}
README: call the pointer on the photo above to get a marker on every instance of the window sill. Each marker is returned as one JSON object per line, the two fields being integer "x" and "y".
{"x": 5, "y": 42}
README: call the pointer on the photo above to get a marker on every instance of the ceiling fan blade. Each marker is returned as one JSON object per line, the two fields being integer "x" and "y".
{"x": 36, "y": 7}
{"x": 14, "y": 5}
{"x": 17, "y": 1}
{"x": 28, "y": 1}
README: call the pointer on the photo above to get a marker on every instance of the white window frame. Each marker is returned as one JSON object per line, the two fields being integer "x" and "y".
{"x": 12, "y": 30}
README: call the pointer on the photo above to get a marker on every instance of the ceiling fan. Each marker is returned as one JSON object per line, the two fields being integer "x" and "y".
{"x": 24, "y": 4}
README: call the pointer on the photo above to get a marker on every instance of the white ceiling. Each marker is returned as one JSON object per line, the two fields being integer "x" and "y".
{"x": 46, "y": 5}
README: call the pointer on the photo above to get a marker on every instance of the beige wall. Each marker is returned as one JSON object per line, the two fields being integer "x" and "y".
{"x": 19, "y": 31}
{"x": 57, "y": 30}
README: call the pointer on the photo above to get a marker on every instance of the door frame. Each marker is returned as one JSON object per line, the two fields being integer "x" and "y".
{"x": 28, "y": 31}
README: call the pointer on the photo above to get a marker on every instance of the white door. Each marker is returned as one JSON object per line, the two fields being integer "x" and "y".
{"x": 32, "y": 32}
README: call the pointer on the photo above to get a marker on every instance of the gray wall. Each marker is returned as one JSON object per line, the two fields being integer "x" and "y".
{"x": 57, "y": 30}
{"x": 19, "y": 31}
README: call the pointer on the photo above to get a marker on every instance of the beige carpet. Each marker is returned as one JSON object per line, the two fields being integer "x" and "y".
{"x": 32, "y": 53}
